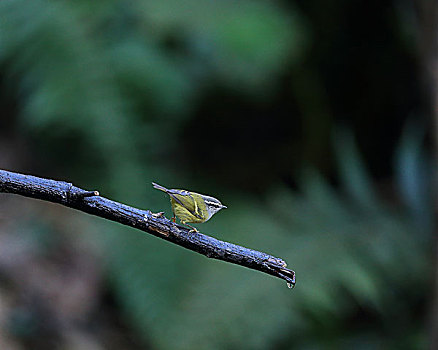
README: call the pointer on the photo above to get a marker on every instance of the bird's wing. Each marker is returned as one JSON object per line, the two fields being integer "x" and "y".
{"x": 185, "y": 199}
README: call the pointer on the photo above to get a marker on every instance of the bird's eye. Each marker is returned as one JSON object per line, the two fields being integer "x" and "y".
{"x": 213, "y": 204}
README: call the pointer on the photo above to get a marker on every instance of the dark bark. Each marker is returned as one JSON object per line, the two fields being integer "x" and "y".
{"x": 90, "y": 202}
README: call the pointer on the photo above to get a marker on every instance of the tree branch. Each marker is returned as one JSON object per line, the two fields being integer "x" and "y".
{"x": 90, "y": 202}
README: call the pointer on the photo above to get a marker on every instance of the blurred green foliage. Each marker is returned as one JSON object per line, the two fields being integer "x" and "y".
{"x": 238, "y": 99}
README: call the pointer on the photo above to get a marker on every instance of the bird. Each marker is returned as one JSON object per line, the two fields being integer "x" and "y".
{"x": 191, "y": 207}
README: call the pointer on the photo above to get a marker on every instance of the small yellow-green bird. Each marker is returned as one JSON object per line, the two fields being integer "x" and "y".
{"x": 191, "y": 207}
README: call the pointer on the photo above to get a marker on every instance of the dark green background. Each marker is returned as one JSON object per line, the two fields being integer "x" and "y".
{"x": 308, "y": 119}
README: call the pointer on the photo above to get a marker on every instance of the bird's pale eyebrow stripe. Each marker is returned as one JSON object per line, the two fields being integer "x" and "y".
{"x": 214, "y": 204}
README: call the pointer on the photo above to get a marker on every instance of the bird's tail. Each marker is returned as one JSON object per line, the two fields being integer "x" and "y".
{"x": 159, "y": 187}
